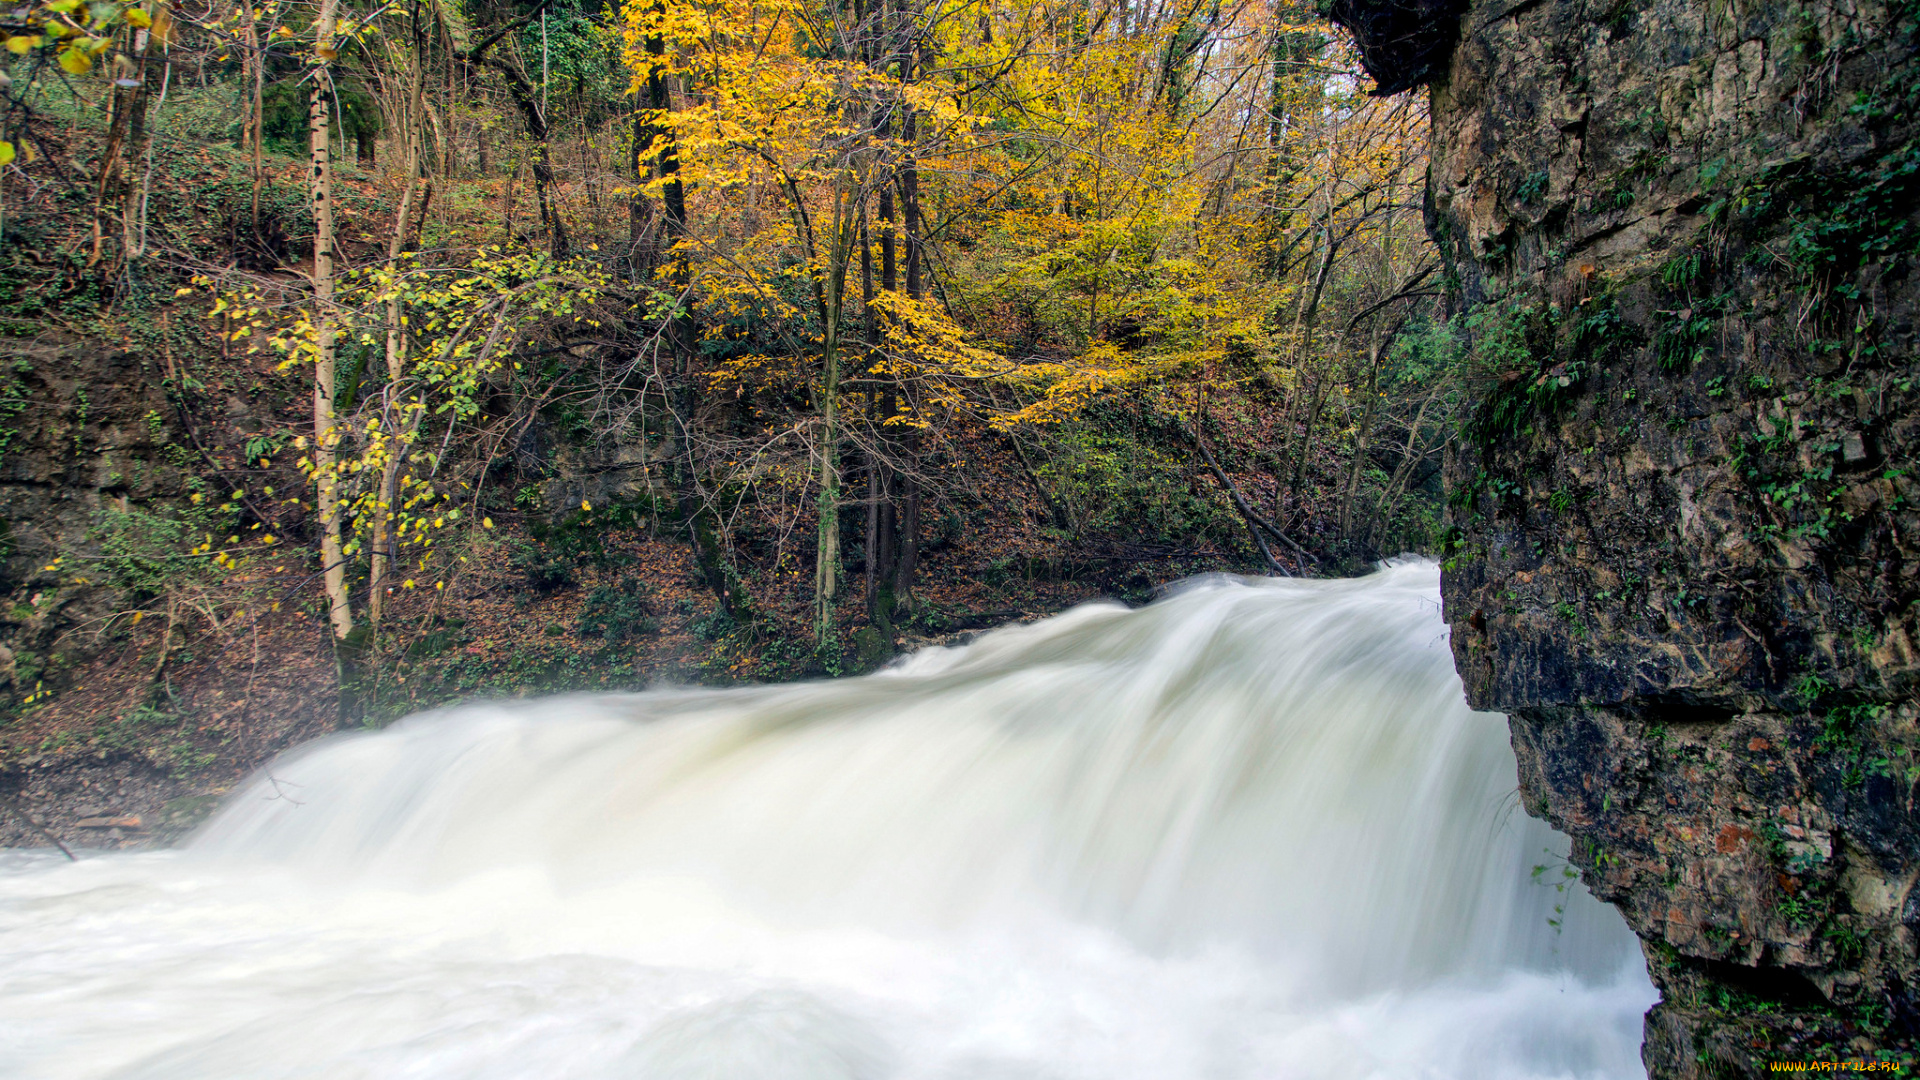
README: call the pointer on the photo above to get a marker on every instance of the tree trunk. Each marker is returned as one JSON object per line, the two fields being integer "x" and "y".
{"x": 909, "y": 530}
{"x": 678, "y": 336}
{"x": 1316, "y": 400}
{"x": 133, "y": 210}
{"x": 257, "y": 62}
{"x": 1356, "y": 466}
{"x": 876, "y": 459}
{"x": 827, "y": 549}
{"x": 507, "y": 196}
{"x": 326, "y": 436}
{"x": 884, "y": 536}
{"x": 129, "y": 109}
{"x": 401, "y": 422}
{"x": 526, "y": 99}
{"x": 540, "y": 163}
{"x": 832, "y": 300}
{"x": 1289, "y": 52}
{"x": 908, "y": 489}
{"x": 642, "y": 259}
{"x": 1390, "y": 499}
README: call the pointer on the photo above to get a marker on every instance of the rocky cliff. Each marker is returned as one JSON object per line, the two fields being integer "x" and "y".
{"x": 1683, "y": 533}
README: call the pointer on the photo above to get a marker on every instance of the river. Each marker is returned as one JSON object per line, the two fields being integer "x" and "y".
{"x": 1251, "y": 830}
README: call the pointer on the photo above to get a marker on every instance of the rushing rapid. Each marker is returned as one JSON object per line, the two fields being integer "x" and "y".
{"x": 1249, "y": 831}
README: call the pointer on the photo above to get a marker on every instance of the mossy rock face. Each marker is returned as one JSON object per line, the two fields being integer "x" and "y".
{"x": 1684, "y": 525}
{"x": 871, "y": 649}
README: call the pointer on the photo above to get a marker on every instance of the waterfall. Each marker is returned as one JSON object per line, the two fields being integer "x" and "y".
{"x": 1248, "y": 831}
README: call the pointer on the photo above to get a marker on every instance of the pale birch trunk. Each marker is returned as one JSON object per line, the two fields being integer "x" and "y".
{"x": 326, "y": 435}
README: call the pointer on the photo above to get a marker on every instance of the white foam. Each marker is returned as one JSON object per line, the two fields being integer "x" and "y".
{"x": 1249, "y": 831}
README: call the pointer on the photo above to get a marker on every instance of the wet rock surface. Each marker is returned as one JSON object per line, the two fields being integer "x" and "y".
{"x": 1683, "y": 535}
{"x": 108, "y": 801}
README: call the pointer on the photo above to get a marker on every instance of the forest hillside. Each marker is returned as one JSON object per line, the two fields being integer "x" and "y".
{"x": 362, "y": 357}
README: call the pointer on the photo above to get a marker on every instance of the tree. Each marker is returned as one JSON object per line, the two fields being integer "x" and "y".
{"x": 326, "y": 435}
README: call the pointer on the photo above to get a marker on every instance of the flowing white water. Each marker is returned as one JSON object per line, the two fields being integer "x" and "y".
{"x": 1249, "y": 831}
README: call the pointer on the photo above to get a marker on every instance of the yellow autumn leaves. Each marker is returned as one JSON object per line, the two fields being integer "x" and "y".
{"x": 462, "y": 323}
{"x": 84, "y": 33}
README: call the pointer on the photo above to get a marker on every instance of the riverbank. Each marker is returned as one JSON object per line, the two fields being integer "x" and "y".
{"x": 138, "y": 748}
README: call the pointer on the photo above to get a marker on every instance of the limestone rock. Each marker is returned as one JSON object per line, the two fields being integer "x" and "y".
{"x": 1685, "y": 552}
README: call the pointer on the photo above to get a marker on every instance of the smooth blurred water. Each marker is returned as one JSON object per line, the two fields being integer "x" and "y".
{"x": 1249, "y": 831}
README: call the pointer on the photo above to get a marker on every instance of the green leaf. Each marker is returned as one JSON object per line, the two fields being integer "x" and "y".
{"x": 6, "y": 153}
